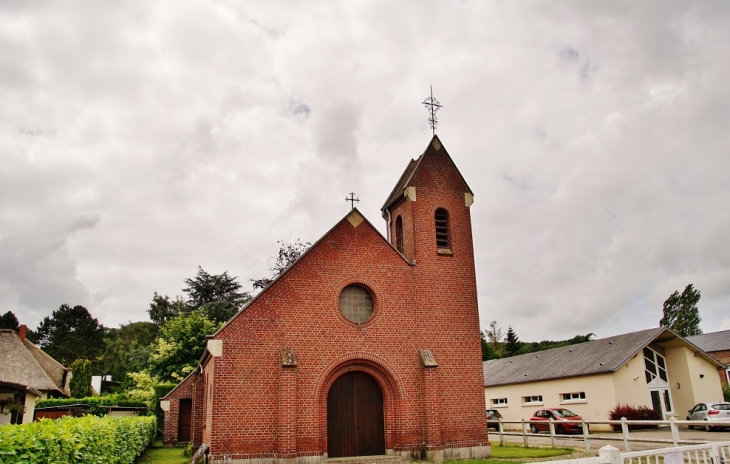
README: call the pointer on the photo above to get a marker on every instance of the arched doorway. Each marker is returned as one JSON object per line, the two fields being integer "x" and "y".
{"x": 355, "y": 421}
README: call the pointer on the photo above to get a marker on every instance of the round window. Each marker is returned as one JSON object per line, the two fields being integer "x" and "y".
{"x": 356, "y": 303}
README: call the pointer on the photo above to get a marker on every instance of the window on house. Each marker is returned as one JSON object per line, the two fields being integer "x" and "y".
{"x": 499, "y": 401}
{"x": 654, "y": 366}
{"x": 399, "y": 234}
{"x": 532, "y": 399}
{"x": 575, "y": 396}
{"x": 442, "y": 229}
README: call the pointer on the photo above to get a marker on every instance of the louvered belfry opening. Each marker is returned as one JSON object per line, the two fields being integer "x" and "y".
{"x": 399, "y": 234}
{"x": 442, "y": 229}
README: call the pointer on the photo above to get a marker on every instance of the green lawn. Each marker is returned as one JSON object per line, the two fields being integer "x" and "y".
{"x": 155, "y": 455}
{"x": 500, "y": 455}
{"x": 511, "y": 454}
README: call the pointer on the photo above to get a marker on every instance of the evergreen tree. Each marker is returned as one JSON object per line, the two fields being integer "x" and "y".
{"x": 512, "y": 343}
{"x": 681, "y": 313}
{"x": 9, "y": 321}
{"x": 219, "y": 297}
{"x": 70, "y": 334}
{"x": 80, "y": 384}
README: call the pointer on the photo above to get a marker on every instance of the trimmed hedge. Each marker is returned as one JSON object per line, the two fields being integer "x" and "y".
{"x": 89, "y": 439}
{"x": 634, "y": 413}
{"x": 96, "y": 403}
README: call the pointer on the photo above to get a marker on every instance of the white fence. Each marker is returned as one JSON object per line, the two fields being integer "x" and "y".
{"x": 625, "y": 436}
{"x": 708, "y": 453}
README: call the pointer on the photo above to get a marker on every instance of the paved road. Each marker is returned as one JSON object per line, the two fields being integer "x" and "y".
{"x": 617, "y": 439}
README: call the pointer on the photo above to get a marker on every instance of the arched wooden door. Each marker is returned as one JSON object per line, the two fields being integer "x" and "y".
{"x": 355, "y": 420}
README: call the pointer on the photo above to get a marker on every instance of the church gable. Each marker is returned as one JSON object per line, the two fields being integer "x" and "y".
{"x": 353, "y": 243}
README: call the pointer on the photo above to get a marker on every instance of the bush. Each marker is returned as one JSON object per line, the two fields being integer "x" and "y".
{"x": 80, "y": 384}
{"x": 634, "y": 413}
{"x": 89, "y": 439}
{"x": 96, "y": 403}
{"x": 726, "y": 391}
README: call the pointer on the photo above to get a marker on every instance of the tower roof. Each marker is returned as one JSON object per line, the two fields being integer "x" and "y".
{"x": 411, "y": 170}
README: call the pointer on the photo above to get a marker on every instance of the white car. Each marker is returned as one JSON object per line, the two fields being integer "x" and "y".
{"x": 710, "y": 412}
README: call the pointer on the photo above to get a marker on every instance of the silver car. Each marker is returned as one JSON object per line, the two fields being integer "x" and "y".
{"x": 710, "y": 412}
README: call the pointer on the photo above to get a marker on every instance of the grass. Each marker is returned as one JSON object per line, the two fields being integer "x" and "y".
{"x": 155, "y": 455}
{"x": 511, "y": 454}
{"x": 508, "y": 454}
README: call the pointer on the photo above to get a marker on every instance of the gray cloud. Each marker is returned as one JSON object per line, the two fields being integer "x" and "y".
{"x": 593, "y": 135}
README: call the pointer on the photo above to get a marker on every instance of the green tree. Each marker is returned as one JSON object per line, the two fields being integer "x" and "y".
{"x": 162, "y": 308}
{"x": 681, "y": 313}
{"x": 80, "y": 383}
{"x": 218, "y": 296}
{"x": 70, "y": 334}
{"x": 9, "y": 321}
{"x": 494, "y": 337}
{"x": 180, "y": 343}
{"x": 487, "y": 351}
{"x": 288, "y": 253}
{"x": 512, "y": 344}
{"x": 127, "y": 349}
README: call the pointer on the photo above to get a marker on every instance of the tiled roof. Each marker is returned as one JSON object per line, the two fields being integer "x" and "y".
{"x": 21, "y": 362}
{"x": 715, "y": 341}
{"x": 594, "y": 357}
{"x": 402, "y": 183}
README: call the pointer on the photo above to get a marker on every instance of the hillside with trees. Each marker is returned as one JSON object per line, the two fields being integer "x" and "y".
{"x": 497, "y": 345}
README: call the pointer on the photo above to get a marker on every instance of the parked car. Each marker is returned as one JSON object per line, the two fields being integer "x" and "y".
{"x": 493, "y": 417}
{"x": 541, "y": 421}
{"x": 710, "y": 412}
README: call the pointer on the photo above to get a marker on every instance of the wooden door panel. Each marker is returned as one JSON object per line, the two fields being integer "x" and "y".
{"x": 184, "y": 420}
{"x": 370, "y": 437}
{"x": 355, "y": 419}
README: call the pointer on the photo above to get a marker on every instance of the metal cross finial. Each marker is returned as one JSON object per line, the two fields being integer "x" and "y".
{"x": 432, "y": 105}
{"x": 352, "y": 199}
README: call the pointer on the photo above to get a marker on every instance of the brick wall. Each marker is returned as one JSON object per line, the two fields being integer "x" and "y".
{"x": 260, "y": 409}
{"x": 186, "y": 390}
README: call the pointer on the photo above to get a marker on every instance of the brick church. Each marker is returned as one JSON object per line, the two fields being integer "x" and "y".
{"x": 365, "y": 346}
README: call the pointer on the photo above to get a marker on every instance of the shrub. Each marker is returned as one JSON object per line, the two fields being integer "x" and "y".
{"x": 89, "y": 439}
{"x": 633, "y": 413}
{"x": 726, "y": 391}
{"x": 97, "y": 404}
{"x": 80, "y": 384}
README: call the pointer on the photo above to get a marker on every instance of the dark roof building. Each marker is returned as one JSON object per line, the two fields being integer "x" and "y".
{"x": 654, "y": 367}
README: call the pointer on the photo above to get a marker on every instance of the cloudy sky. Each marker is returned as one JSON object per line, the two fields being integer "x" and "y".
{"x": 139, "y": 140}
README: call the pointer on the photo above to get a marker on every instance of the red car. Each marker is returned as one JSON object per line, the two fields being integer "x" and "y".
{"x": 541, "y": 421}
